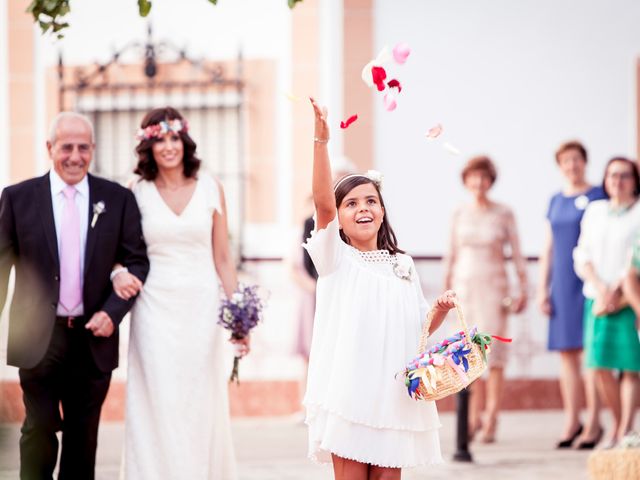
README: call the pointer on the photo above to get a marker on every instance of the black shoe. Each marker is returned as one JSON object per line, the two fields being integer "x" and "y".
{"x": 569, "y": 441}
{"x": 590, "y": 445}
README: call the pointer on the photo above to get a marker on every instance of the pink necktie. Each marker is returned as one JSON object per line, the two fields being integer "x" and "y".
{"x": 70, "y": 290}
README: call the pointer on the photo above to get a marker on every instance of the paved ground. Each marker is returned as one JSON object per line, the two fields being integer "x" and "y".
{"x": 275, "y": 449}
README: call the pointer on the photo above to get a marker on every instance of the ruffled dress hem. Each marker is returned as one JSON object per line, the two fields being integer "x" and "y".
{"x": 330, "y": 433}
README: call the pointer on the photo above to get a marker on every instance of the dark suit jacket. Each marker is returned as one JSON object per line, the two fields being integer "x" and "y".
{"x": 309, "y": 223}
{"x": 28, "y": 242}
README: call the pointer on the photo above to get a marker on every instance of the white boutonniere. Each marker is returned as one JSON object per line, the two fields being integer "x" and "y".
{"x": 402, "y": 267}
{"x": 98, "y": 209}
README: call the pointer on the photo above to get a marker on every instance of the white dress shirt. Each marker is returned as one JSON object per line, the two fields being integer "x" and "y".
{"x": 82, "y": 204}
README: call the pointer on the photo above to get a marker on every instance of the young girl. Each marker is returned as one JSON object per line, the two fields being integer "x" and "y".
{"x": 368, "y": 321}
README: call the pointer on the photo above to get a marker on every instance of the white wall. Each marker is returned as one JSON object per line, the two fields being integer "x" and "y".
{"x": 212, "y": 32}
{"x": 512, "y": 79}
{"x": 4, "y": 96}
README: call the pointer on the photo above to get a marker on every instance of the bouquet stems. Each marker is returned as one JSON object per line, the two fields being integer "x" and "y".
{"x": 234, "y": 377}
{"x": 234, "y": 371}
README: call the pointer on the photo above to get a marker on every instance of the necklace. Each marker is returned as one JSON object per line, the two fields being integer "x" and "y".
{"x": 620, "y": 210}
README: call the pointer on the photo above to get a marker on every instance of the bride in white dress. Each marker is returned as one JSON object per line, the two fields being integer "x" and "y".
{"x": 177, "y": 414}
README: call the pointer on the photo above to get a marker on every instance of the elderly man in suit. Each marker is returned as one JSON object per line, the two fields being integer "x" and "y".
{"x": 63, "y": 233}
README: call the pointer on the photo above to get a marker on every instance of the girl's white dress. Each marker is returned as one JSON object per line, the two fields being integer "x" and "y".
{"x": 177, "y": 415}
{"x": 367, "y": 328}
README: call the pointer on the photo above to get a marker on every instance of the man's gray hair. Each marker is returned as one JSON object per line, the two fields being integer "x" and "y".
{"x": 55, "y": 123}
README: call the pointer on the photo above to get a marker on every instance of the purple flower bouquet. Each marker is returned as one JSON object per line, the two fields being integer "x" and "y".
{"x": 240, "y": 314}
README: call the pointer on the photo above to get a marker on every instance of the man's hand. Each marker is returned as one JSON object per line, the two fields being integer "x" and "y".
{"x": 100, "y": 325}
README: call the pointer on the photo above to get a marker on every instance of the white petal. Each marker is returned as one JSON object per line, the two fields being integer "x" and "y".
{"x": 384, "y": 56}
{"x": 451, "y": 149}
{"x": 367, "y": 76}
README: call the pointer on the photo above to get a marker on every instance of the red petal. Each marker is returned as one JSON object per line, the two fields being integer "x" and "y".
{"x": 379, "y": 74}
{"x": 502, "y": 339}
{"x": 349, "y": 121}
{"x": 393, "y": 83}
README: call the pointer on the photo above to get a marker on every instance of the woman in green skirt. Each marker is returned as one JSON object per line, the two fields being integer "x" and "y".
{"x": 601, "y": 259}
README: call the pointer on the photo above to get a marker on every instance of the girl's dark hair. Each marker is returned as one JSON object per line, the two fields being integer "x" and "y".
{"x": 634, "y": 173}
{"x": 386, "y": 237}
{"x": 147, "y": 167}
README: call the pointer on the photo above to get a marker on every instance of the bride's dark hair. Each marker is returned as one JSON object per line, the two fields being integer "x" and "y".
{"x": 147, "y": 167}
{"x": 386, "y": 237}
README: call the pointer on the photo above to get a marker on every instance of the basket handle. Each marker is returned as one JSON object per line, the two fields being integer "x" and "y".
{"x": 427, "y": 324}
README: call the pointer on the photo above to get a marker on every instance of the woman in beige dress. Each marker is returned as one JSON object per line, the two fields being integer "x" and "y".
{"x": 476, "y": 269}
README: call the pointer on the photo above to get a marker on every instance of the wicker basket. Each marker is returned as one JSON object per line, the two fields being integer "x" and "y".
{"x": 616, "y": 464}
{"x": 448, "y": 381}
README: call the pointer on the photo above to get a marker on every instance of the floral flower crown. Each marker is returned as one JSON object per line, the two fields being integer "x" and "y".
{"x": 373, "y": 175}
{"x": 158, "y": 130}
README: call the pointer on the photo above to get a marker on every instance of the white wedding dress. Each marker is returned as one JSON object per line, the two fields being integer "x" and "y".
{"x": 177, "y": 414}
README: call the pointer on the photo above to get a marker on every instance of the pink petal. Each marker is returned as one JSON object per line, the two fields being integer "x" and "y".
{"x": 378, "y": 74}
{"x": 401, "y": 52}
{"x": 434, "y": 132}
{"x": 393, "y": 83}
{"x": 390, "y": 102}
{"x": 349, "y": 121}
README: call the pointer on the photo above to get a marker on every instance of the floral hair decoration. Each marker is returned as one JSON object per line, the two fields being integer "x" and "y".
{"x": 373, "y": 175}
{"x": 158, "y": 130}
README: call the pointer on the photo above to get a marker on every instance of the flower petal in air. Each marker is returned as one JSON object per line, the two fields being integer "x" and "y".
{"x": 451, "y": 149}
{"x": 349, "y": 121}
{"x": 384, "y": 56}
{"x": 367, "y": 74}
{"x": 393, "y": 83}
{"x": 292, "y": 97}
{"x": 434, "y": 132}
{"x": 390, "y": 103}
{"x": 401, "y": 52}
{"x": 378, "y": 74}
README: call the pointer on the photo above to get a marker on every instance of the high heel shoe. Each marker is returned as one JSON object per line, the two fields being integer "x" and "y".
{"x": 590, "y": 444}
{"x": 566, "y": 443}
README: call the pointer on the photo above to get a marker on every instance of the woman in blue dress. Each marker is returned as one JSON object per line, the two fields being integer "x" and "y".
{"x": 560, "y": 294}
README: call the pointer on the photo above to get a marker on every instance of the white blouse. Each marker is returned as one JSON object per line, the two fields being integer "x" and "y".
{"x": 606, "y": 241}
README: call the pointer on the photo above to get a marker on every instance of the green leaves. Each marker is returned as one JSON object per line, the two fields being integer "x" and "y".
{"x": 48, "y": 14}
{"x": 144, "y": 7}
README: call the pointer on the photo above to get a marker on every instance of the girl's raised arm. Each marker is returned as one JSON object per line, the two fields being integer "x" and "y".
{"x": 323, "y": 196}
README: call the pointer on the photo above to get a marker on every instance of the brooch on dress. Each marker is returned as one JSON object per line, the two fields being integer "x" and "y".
{"x": 402, "y": 267}
{"x": 581, "y": 202}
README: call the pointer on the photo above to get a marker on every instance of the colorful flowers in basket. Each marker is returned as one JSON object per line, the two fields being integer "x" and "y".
{"x": 240, "y": 314}
{"x": 428, "y": 377}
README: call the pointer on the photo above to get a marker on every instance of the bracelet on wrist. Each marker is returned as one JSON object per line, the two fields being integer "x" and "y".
{"x": 320, "y": 140}
{"x": 117, "y": 271}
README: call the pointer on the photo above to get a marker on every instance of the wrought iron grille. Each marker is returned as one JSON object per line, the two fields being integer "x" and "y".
{"x": 116, "y": 95}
